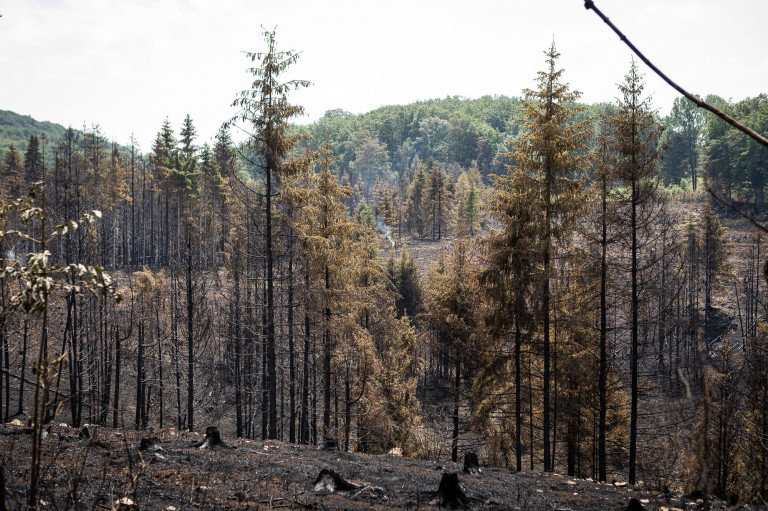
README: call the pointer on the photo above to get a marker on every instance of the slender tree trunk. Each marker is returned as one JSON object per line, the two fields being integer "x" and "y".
{"x": 271, "y": 355}
{"x": 456, "y": 400}
{"x": 118, "y": 361}
{"x": 518, "y": 396}
{"x": 545, "y": 309}
{"x": 634, "y": 355}
{"x": 160, "y": 384}
{"x": 327, "y": 357}
{"x": 23, "y": 368}
{"x": 291, "y": 358}
{"x": 190, "y": 338}
{"x": 306, "y": 368}
{"x": 235, "y": 323}
{"x": 603, "y": 370}
{"x": 347, "y": 411}
{"x": 140, "y": 376}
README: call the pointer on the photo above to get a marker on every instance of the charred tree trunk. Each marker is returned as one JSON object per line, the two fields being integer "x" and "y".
{"x": 456, "y": 401}
{"x": 291, "y": 359}
{"x": 305, "y": 379}
{"x": 190, "y": 336}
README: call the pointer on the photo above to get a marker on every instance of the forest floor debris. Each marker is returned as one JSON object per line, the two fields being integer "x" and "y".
{"x": 272, "y": 475}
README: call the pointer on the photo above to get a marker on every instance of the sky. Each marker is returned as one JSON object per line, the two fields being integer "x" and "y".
{"x": 128, "y": 65}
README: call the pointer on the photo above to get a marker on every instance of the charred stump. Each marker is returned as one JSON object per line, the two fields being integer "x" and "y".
{"x": 635, "y": 505}
{"x": 328, "y": 444}
{"x": 150, "y": 444}
{"x": 471, "y": 463}
{"x": 212, "y": 439}
{"x": 450, "y": 493}
{"x": 329, "y": 480}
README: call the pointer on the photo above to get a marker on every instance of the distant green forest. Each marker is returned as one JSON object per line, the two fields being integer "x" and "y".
{"x": 388, "y": 144}
{"x": 16, "y": 128}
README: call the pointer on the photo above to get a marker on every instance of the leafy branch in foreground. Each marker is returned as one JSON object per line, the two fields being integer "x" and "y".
{"x": 38, "y": 280}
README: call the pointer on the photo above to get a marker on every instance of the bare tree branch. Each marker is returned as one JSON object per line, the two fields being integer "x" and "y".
{"x": 589, "y": 4}
{"x": 731, "y": 205}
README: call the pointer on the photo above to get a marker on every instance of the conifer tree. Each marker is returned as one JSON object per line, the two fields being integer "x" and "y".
{"x": 604, "y": 180}
{"x": 12, "y": 173}
{"x": 436, "y": 202}
{"x": 266, "y": 109}
{"x": 162, "y": 159}
{"x": 636, "y": 135}
{"x": 511, "y": 253}
{"x": 551, "y": 154}
{"x": 453, "y": 311}
{"x": 415, "y": 221}
{"x": 469, "y": 203}
{"x": 33, "y": 160}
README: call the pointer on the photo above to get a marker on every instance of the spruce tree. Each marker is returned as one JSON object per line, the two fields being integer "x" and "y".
{"x": 552, "y": 155}
{"x": 33, "y": 160}
{"x": 266, "y": 109}
{"x": 636, "y": 135}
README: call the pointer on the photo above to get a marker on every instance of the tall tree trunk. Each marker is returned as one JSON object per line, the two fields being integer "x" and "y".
{"x": 118, "y": 361}
{"x": 545, "y": 310}
{"x": 22, "y": 375}
{"x": 518, "y": 396}
{"x": 140, "y": 376}
{"x": 602, "y": 383}
{"x": 271, "y": 355}
{"x": 291, "y": 359}
{"x": 306, "y": 369}
{"x": 327, "y": 357}
{"x": 190, "y": 338}
{"x": 634, "y": 355}
{"x": 456, "y": 401}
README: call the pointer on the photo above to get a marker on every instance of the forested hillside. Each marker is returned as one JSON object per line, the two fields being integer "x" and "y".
{"x": 586, "y": 308}
{"x": 16, "y": 129}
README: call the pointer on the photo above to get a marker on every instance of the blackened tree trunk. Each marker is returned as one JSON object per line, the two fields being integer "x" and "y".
{"x": 306, "y": 370}
{"x": 603, "y": 369}
{"x": 327, "y": 351}
{"x": 140, "y": 376}
{"x": 291, "y": 359}
{"x": 518, "y": 397}
{"x": 634, "y": 355}
{"x": 456, "y": 401}
{"x": 271, "y": 354}
{"x": 190, "y": 336}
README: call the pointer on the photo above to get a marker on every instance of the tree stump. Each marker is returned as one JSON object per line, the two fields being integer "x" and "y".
{"x": 635, "y": 505}
{"x": 471, "y": 463}
{"x": 329, "y": 480}
{"x": 212, "y": 439}
{"x": 150, "y": 444}
{"x": 450, "y": 492}
{"x": 328, "y": 444}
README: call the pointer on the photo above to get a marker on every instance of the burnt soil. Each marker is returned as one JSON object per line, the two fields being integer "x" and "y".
{"x": 94, "y": 472}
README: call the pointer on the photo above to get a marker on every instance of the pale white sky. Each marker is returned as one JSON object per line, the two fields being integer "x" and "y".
{"x": 127, "y": 65}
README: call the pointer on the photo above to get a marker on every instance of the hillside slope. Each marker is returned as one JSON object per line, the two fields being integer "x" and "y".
{"x": 16, "y": 128}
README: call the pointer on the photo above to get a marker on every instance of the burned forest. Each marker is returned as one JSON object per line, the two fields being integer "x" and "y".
{"x": 502, "y": 303}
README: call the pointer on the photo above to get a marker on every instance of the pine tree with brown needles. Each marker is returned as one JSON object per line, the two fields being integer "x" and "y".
{"x": 265, "y": 108}
{"x": 552, "y": 156}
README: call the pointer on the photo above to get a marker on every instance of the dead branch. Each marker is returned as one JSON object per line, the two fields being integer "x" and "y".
{"x": 589, "y": 4}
